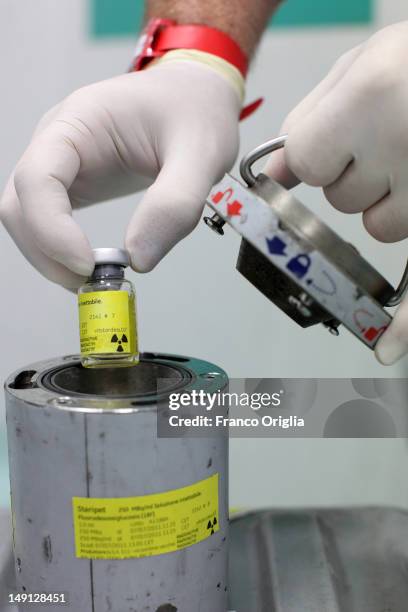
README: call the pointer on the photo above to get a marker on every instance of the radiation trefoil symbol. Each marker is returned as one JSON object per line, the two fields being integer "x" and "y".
{"x": 119, "y": 342}
{"x": 211, "y": 525}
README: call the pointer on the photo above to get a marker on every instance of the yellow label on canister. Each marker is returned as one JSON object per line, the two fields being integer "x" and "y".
{"x": 124, "y": 528}
{"x": 107, "y": 322}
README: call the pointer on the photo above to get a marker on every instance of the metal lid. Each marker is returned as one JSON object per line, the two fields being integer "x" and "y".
{"x": 118, "y": 257}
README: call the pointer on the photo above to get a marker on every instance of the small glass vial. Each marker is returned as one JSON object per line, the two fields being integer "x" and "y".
{"x": 107, "y": 313}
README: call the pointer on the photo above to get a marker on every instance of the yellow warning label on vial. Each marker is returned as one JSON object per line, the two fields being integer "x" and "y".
{"x": 144, "y": 526}
{"x": 107, "y": 322}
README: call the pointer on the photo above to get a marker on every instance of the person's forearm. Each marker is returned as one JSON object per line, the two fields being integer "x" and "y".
{"x": 242, "y": 20}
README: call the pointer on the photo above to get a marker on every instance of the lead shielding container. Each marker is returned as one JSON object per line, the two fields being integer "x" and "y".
{"x": 104, "y": 510}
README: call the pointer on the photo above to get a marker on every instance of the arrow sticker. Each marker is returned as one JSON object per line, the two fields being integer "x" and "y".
{"x": 234, "y": 209}
{"x": 276, "y": 246}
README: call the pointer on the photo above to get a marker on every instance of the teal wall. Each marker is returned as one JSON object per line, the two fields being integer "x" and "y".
{"x": 324, "y": 12}
{"x": 116, "y": 17}
{"x": 124, "y": 17}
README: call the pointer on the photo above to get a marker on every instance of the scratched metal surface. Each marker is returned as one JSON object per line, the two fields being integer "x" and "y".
{"x": 7, "y": 579}
{"x": 309, "y": 561}
{"x": 320, "y": 561}
{"x": 100, "y": 448}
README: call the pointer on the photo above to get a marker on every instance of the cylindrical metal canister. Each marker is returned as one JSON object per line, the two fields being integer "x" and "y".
{"x": 105, "y": 511}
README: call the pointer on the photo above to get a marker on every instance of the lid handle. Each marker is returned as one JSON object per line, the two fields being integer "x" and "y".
{"x": 250, "y": 179}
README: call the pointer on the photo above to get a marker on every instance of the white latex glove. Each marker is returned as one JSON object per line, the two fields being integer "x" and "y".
{"x": 350, "y": 136}
{"x": 177, "y": 121}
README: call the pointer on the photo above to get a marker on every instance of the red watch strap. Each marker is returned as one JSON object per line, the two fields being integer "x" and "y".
{"x": 202, "y": 38}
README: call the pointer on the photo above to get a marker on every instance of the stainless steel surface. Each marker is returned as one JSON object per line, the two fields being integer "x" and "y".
{"x": 300, "y": 263}
{"x": 7, "y": 574}
{"x": 300, "y": 221}
{"x": 253, "y": 156}
{"x": 297, "y": 261}
{"x": 319, "y": 561}
{"x": 111, "y": 256}
{"x": 279, "y": 287}
{"x": 300, "y": 561}
{"x": 74, "y": 432}
{"x": 251, "y": 179}
{"x": 401, "y": 291}
{"x": 140, "y": 384}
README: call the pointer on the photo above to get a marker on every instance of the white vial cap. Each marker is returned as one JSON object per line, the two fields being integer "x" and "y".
{"x": 118, "y": 257}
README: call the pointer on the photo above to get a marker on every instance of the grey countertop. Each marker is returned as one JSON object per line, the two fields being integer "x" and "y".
{"x": 353, "y": 560}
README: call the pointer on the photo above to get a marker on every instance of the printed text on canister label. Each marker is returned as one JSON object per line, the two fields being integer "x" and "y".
{"x": 122, "y": 528}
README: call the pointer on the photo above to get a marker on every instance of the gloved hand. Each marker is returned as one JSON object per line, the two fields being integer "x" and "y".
{"x": 176, "y": 123}
{"x": 350, "y": 136}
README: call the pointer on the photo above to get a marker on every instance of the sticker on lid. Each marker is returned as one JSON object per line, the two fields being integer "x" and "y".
{"x": 134, "y": 527}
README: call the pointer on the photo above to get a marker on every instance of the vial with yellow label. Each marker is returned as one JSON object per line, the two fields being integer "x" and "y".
{"x": 107, "y": 313}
